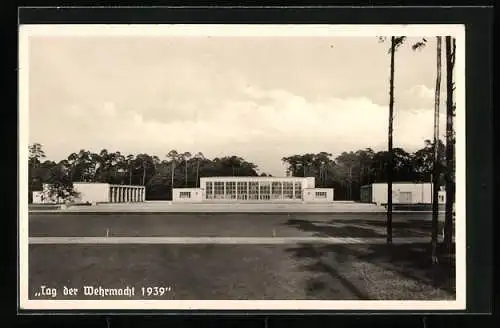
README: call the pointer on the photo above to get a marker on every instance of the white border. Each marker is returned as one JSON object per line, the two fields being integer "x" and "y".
{"x": 25, "y": 31}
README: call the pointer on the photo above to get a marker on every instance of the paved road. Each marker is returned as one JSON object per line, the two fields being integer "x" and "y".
{"x": 227, "y": 225}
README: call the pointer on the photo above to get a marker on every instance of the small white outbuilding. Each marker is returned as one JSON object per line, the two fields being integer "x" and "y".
{"x": 92, "y": 193}
{"x": 402, "y": 193}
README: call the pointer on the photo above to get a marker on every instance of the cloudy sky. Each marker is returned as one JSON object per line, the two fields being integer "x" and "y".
{"x": 261, "y": 98}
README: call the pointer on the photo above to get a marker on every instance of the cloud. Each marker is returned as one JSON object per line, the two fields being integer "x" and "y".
{"x": 260, "y": 98}
{"x": 263, "y": 127}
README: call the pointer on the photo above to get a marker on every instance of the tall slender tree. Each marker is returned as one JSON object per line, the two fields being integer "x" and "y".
{"x": 130, "y": 162}
{"x": 199, "y": 157}
{"x": 186, "y": 156}
{"x": 450, "y": 143}
{"x": 436, "y": 164}
{"x": 173, "y": 155}
{"x": 396, "y": 42}
{"x": 35, "y": 155}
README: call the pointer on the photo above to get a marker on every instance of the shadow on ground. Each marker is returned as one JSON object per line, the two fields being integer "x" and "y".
{"x": 358, "y": 228}
{"x": 329, "y": 229}
{"x": 318, "y": 266}
{"x": 407, "y": 261}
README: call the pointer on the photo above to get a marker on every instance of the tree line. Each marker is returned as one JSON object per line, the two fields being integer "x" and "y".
{"x": 346, "y": 173}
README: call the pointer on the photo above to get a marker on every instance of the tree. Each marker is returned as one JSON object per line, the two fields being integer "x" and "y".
{"x": 348, "y": 162}
{"x": 186, "y": 156}
{"x": 423, "y": 160}
{"x": 346, "y": 173}
{"x": 199, "y": 157}
{"x": 173, "y": 155}
{"x": 293, "y": 163}
{"x": 145, "y": 163}
{"x": 130, "y": 161}
{"x": 396, "y": 42}
{"x": 72, "y": 161}
{"x": 58, "y": 183}
{"x": 435, "y": 174}
{"x": 450, "y": 143}
{"x": 35, "y": 155}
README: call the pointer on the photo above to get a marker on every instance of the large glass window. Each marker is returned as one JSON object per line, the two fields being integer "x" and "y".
{"x": 209, "y": 190}
{"x": 265, "y": 190}
{"x": 230, "y": 190}
{"x": 298, "y": 190}
{"x": 288, "y": 190}
{"x": 254, "y": 190}
{"x": 242, "y": 190}
{"x": 219, "y": 190}
{"x": 276, "y": 190}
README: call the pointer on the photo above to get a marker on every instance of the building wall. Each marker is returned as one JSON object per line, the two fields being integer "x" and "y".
{"x": 318, "y": 195}
{"x": 188, "y": 195}
{"x": 365, "y": 194}
{"x": 442, "y": 197}
{"x": 404, "y": 193}
{"x": 43, "y": 197}
{"x": 37, "y": 197}
{"x": 251, "y": 189}
{"x": 310, "y": 183}
{"x": 92, "y": 192}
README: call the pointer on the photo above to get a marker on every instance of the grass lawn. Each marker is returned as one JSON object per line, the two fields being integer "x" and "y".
{"x": 325, "y": 272}
{"x": 227, "y": 225}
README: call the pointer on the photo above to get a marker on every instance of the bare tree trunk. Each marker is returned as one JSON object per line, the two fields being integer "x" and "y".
{"x": 144, "y": 175}
{"x": 197, "y": 173}
{"x": 326, "y": 176}
{"x": 389, "y": 137}
{"x": 186, "y": 173}
{"x": 173, "y": 173}
{"x": 435, "y": 174}
{"x": 450, "y": 144}
{"x": 350, "y": 182}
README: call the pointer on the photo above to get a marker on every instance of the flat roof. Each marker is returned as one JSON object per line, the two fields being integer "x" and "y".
{"x": 395, "y": 183}
{"x": 254, "y": 177}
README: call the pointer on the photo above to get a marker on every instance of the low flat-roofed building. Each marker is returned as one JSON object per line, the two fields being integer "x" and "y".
{"x": 254, "y": 189}
{"x": 94, "y": 192}
{"x": 402, "y": 193}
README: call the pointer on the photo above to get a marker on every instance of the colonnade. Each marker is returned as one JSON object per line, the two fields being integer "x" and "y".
{"x": 126, "y": 194}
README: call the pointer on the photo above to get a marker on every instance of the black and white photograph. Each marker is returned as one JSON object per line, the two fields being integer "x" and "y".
{"x": 207, "y": 167}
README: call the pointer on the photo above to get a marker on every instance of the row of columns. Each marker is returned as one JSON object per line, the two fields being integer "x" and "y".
{"x": 127, "y": 194}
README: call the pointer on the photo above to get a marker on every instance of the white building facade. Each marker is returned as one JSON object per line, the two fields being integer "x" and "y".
{"x": 89, "y": 192}
{"x": 402, "y": 193}
{"x": 254, "y": 189}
